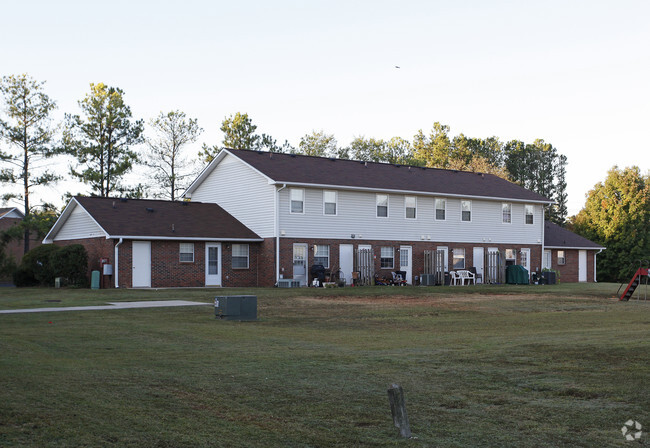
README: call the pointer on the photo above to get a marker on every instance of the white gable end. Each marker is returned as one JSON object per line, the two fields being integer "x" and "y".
{"x": 79, "y": 225}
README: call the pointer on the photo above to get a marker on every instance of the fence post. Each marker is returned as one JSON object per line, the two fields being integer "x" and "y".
{"x": 398, "y": 409}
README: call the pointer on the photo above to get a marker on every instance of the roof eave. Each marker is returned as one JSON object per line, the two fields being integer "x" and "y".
{"x": 185, "y": 238}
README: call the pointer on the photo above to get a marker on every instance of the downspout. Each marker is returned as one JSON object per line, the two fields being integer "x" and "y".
{"x": 543, "y": 229}
{"x": 277, "y": 233}
{"x": 117, "y": 263}
{"x": 595, "y": 255}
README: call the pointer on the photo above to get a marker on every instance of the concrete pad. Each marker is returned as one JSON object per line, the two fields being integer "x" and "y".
{"x": 111, "y": 306}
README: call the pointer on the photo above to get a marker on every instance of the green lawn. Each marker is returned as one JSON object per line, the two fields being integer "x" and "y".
{"x": 562, "y": 365}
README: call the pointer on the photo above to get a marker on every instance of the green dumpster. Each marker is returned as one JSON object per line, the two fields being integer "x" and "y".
{"x": 516, "y": 275}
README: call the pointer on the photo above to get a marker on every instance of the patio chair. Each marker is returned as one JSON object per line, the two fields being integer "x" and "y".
{"x": 398, "y": 279}
{"x": 454, "y": 278}
{"x": 466, "y": 276}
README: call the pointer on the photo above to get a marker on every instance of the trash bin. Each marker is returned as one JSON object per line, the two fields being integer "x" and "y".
{"x": 516, "y": 275}
{"x": 241, "y": 308}
{"x": 94, "y": 280}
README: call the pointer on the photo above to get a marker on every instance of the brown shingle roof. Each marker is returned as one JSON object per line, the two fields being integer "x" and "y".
{"x": 164, "y": 219}
{"x": 299, "y": 169}
{"x": 556, "y": 236}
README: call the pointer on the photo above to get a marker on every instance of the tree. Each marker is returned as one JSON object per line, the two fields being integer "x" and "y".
{"x": 171, "y": 170}
{"x": 239, "y": 132}
{"x": 101, "y": 140}
{"x": 433, "y": 151}
{"x": 617, "y": 216}
{"x": 29, "y": 135}
{"x": 396, "y": 150}
{"x": 318, "y": 143}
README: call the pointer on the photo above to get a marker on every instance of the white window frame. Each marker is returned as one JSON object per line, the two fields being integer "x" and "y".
{"x": 506, "y": 213}
{"x": 463, "y": 202}
{"x": 292, "y": 200}
{"x": 383, "y": 257}
{"x": 444, "y": 209}
{"x": 529, "y": 210}
{"x": 325, "y": 248}
{"x": 415, "y": 207}
{"x": 513, "y": 253}
{"x": 561, "y": 260}
{"x": 247, "y": 256}
{"x": 336, "y": 202}
{"x": 377, "y": 196}
{"x": 458, "y": 253}
{"x": 181, "y": 252}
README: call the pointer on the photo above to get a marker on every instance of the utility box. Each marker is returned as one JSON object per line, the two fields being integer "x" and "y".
{"x": 94, "y": 280}
{"x": 242, "y": 308}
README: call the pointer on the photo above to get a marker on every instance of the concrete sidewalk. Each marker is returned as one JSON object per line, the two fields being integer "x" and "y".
{"x": 110, "y": 306}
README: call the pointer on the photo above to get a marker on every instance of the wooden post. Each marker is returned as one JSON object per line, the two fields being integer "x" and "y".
{"x": 398, "y": 409}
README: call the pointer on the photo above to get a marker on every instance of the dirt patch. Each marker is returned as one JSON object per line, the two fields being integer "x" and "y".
{"x": 415, "y": 300}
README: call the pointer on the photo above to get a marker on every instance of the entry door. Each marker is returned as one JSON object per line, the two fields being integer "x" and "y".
{"x": 582, "y": 266}
{"x": 478, "y": 259}
{"x": 445, "y": 249}
{"x": 346, "y": 262}
{"x": 547, "y": 259}
{"x": 141, "y": 263}
{"x": 213, "y": 264}
{"x": 300, "y": 263}
{"x": 524, "y": 257}
{"x": 406, "y": 262}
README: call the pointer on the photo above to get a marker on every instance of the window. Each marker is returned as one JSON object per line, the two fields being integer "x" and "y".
{"x": 387, "y": 258}
{"x": 240, "y": 256}
{"x": 322, "y": 255}
{"x": 441, "y": 205}
{"x": 511, "y": 254}
{"x": 530, "y": 212}
{"x": 561, "y": 259}
{"x": 459, "y": 258}
{"x": 466, "y": 211}
{"x": 297, "y": 200}
{"x": 506, "y": 213}
{"x": 186, "y": 251}
{"x": 382, "y": 206}
{"x": 329, "y": 202}
{"x": 410, "y": 203}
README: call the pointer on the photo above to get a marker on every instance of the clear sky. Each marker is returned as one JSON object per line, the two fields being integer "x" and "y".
{"x": 575, "y": 73}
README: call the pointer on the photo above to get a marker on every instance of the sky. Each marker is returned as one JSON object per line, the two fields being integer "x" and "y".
{"x": 574, "y": 73}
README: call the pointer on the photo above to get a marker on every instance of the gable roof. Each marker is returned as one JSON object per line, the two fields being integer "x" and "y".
{"x": 556, "y": 237}
{"x": 158, "y": 219}
{"x": 320, "y": 172}
{"x": 11, "y": 212}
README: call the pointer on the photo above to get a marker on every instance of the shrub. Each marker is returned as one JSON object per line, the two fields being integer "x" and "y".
{"x": 71, "y": 262}
{"x": 24, "y": 277}
{"x": 37, "y": 263}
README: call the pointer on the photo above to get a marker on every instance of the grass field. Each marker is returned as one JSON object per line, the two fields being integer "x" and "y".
{"x": 562, "y": 365}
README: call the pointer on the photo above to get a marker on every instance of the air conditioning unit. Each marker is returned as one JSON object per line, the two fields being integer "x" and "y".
{"x": 427, "y": 280}
{"x": 288, "y": 283}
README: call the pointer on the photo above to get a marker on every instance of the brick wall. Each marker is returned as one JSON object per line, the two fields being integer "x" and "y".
{"x": 569, "y": 270}
{"x": 97, "y": 249}
{"x": 16, "y": 248}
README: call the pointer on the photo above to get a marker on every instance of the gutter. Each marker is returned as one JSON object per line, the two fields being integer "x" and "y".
{"x": 277, "y": 233}
{"x": 117, "y": 262}
{"x": 595, "y": 255}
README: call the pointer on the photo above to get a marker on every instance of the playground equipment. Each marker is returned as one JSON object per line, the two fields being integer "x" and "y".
{"x": 641, "y": 274}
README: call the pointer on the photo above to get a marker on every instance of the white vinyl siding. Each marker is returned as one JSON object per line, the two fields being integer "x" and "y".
{"x": 356, "y": 214}
{"x": 242, "y": 192}
{"x": 79, "y": 225}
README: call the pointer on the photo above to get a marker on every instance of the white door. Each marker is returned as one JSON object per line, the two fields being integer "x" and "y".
{"x": 406, "y": 262}
{"x": 524, "y": 257}
{"x": 446, "y": 259}
{"x": 582, "y": 266}
{"x": 141, "y": 263}
{"x": 547, "y": 259}
{"x": 477, "y": 257}
{"x": 346, "y": 262}
{"x": 212, "y": 264}
{"x": 300, "y": 263}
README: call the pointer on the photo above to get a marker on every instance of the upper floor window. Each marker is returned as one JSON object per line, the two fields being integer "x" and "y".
{"x": 530, "y": 213}
{"x": 466, "y": 211}
{"x": 186, "y": 252}
{"x": 322, "y": 255}
{"x": 382, "y": 206}
{"x": 240, "y": 256}
{"x": 329, "y": 202}
{"x": 441, "y": 206}
{"x": 506, "y": 213}
{"x": 561, "y": 258}
{"x": 387, "y": 258}
{"x": 297, "y": 200}
{"x": 410, "y": 203}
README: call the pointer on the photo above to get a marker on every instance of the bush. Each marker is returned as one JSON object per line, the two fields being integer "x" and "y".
{"x": 37, "y": 264}
{"x": 24, "y": 277}
{"x": 71, "y": 262}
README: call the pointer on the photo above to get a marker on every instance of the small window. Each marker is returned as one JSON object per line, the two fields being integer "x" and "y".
{"x": 506, "y": 213}
{"x": 186, "y": 251}
{"x": 387, "y": 258}
{"x": 441, "y": 206}
{"x": 382, "y": 206}
{"x": 466, "y": 211}
{"x": 322, "y": 255}
{"x": 530, "y": 213}
{"x": 561, "y": 258}
{"x": 459, "y": 258}
{"x": 297, "y": 200}
{"x": 329, "y": 202}
{"x": 410, "y": 203}
{"x": 240, "y": 256}
{"x": 511, "y": 254}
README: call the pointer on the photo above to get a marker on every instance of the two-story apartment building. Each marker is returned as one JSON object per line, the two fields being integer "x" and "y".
{"x": 301, "y": 210}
